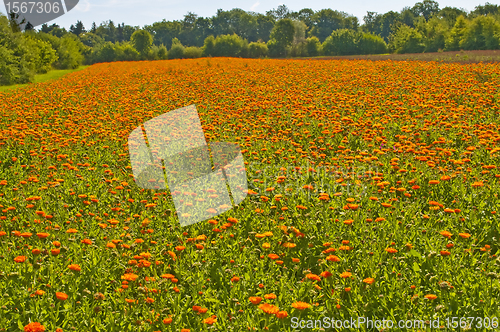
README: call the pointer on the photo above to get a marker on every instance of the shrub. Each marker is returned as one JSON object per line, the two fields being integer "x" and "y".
{"x": 406, "y": 40}
{"x": 257, "y": 50}
{"x": 177, "y": 50}
{"x": 342, "y": 42}
{"x": 230, "y": 46}
{"x": 193, "y": 52}
{"x": 313, "y": 46}
{"x": 371, "y": 44}
{"x": 208, "y": 48}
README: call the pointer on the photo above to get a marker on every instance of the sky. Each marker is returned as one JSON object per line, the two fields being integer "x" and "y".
{"x": 145, "y": 12}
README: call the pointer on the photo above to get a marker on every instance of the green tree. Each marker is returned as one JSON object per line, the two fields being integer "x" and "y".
{"x": 426, "y": 8}
{"x": 177, "y": 50}
{"x": 281, "y": 37}
{"x": 257, "y": 50}
{"x": 452, "y": 43}
{"x": 481, "y": 34}
{"x": 371, "y": 44}
{"x": 230, "y": 46}
{"x": 406, "y": 40}
{"x": 342, "y": 42}
{"x": 433, "y": 32}
{"x": 313, "y": 46}
{"x": 208, "y": 48}
{"x": 142, "y": 41}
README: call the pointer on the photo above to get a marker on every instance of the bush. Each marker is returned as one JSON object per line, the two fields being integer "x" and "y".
{"x": 297, "y": 49}
{"x": 158, "y": 52}
{"x": 313, "y": 46}
{"x": 481, "y": 34}
{"x": 230, "y": 46}
{"x": 342, "y": 42}
{"x": 371, "y": 44}
{"x": 105, "y": 52}
{"x": 257, "y": 50}
{"x": 126, "y": 52}
{"x": 69, "y": 49}
{"x": 406, "y": 40}
{"x": 275, "y": 49}
{"x": 177, "y": 50}
{"x": 193, "y": 52}
{"x": 208, "y": 48}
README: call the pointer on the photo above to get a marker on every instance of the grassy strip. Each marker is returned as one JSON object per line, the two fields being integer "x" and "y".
{"x": 51, "y": 75}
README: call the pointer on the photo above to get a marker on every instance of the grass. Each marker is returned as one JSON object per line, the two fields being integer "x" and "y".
{"x": 51, "y": 75}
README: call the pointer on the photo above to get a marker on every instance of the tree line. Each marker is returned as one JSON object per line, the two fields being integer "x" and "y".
{"x": 236, "y": 33}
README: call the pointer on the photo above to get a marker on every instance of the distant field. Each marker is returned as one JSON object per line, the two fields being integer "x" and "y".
{"x": 488, "y": 56}
{"x": 374, "y": 193}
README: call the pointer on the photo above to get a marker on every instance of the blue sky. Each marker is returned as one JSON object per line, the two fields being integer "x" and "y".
{"x": 144, "y": 12}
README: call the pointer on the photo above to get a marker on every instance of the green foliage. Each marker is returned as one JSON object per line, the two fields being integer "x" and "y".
{"x": 313, "y": 46}
{"x": 193, "y": 52}
{"x": 208, "y": 46}
{"x": 481, "y": 34}
{"x": 142, "y": 41}
{"x": 371, "y": 44}
{"x": 342, "y": 42}
{"x": 257, "y": 50}
{"x": 433, "y": 32}
{"x": 283, "y": 33}
{"x": 177, "y": 50}
{"x": 452, "y": 43}
{"x": 230, "y": 46}
{"x": 325, "y": 21}
{"x": 275, "y": 49}
{"x": 406, "y": 40}
{"x": 42, "y": 52}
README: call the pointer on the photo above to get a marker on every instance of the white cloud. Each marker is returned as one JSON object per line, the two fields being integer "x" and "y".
{"x": 83, "y": 6}
{"x": 254, "y": 6}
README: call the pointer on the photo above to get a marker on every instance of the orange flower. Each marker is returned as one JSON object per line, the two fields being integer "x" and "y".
{"x": 61, "y": 296}
{"x": 301, "y": 305}
{"x": 34, "y": 327}
{"x": 369, "y": 281}
{"x": 74, "y": 267}
{"x": 255, "y": 299}
{"x": 55, "y": 252}
{"x": 209, "y": 320}
{"x": 281, "y": 314}
{"x": 430, "y": 296}
{"x": 269, "y": 308}
{"x": 167, "y": 321}
{"x": 312, "y": 276}
{"x": 446, "y": 234}
{"x": 391, "y": 250}
{"x": 345, "y": 274}
{"x": 333, "y": 258}
{"x": 464, "y": 235}
{"x": 130, "y": 276}
{"x": 20, "y": 259}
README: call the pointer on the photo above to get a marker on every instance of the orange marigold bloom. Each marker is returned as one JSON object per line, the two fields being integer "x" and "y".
{"x": 391, "y": 250}
{"x": 273, "y": 256}
{"x": 270, "y": 296}
{"x": 269, "y": 308}
{"x": 464, "y": 235}
{"x": 434, "y": 182}
{"x": 235, "y": 279}
{"x": 312, "y": 276}
{"x": 281, "y": 314}
{"x": 71, "y": 230}
{"x": 61, "y": 296}
{"x": 369, "y": 281}
{"x": 255, "y": 299}
{"x": 34, "y": 327}
{"x": 55, "y": 252}
{"x": 130, "y": 276}
{"x": 86, "y": 241}
{"x": 20, "y": 259}
{"x": 333, "y": 258}
{"x": 446, "y": 234}
{"x": 431, "y": 296}
{"x": 301, "y": 305}
{"x": 326, "y": 274}
{"x": 444, "y": 253}
{"x": 209, "y": 320}
{"x": 167, "y": 320}
{"x": 42, "y": 235}
{"x": 74, "y": 267}
{"x": 345, "y": 274}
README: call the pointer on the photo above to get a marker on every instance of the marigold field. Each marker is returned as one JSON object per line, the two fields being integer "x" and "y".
{"x": 373, "y": 192}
